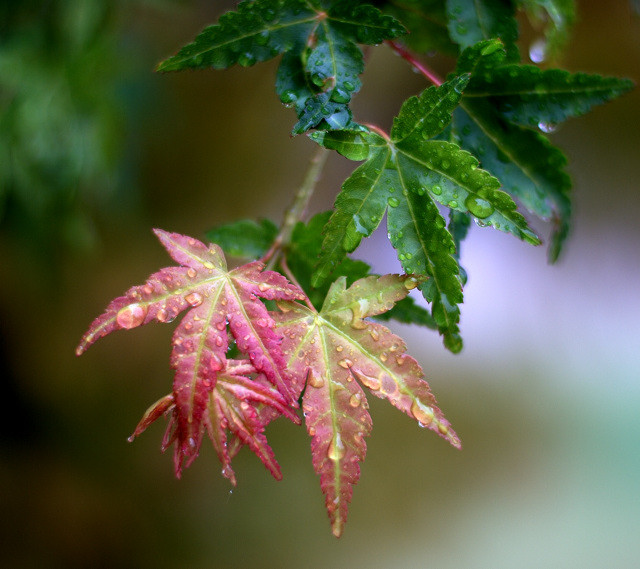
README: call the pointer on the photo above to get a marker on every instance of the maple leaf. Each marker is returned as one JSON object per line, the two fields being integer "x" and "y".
{"x": 234, "y": 404}
{"x": 405, "y": 175}
{"x": 339, "y": 352}
{"x": 320, "y": 71}
{"x": 501, "y": 100}
{"x": 217, "y": 299}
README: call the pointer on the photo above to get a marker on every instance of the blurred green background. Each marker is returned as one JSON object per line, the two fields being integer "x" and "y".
{"x": 95, "y": 150}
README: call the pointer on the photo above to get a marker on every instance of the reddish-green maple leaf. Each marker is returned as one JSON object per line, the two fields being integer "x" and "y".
{"x": 216, "y": 299}
{"x": 336, "y": 346}
{"x": 233, "y": 405}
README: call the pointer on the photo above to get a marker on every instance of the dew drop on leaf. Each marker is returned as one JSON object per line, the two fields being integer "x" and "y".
{"x": 393, "y": 202}
{"x": 422, "y": 413}
{"x": 547, "y": 128}
{"x": 437, "y": 190}
{"x": 194, "y": 299}
{"x": 345, "y": 363}
{"x": 315, "y": 380}
{"x": 336, "y": 449}
{"x": 246, "y": 59}
{"x": 478, "y": 207}
{"x": 372, "y": 383}
{"x": 131, "y": 316}
{"x": 355, "y": 399}
{"x": 410, "y": 283}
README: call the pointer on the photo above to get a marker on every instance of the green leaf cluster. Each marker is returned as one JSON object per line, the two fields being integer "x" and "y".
{"x": 475, "y": 146}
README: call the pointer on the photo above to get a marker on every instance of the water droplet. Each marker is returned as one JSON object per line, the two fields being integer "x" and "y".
{"x": 383, "y": 357}
{"x": 164, "y": 316}
{"x": 192, "y": 273}
{"x": 393, "y": 202}
{"x": 547, "y": 127}
{"x": 194, "y": 299}
{"x": 339, "y": 348}
{"x": 340, "y": 96}
{"x": 216, "y": 363}
{"x": 336, "y": 449}
{"x": 422, "y": 413}
{"x": 221, "y": 325}
{"x": 219, "y": 341}
{"x": 208, "y": 265}
{"x": 147, "y": 289}
{"x": 355, "y": 399}
{"x": 131, "y": 316}
{"x": 437, "y": 190}
{"x": 246, "y": 59}
{"x": 315, "y": 380}
{"x": 349, "y": 86}
{"x": 262, "y": 38}
{"x": 443, "y": 429}
{"x": 410, "y": 283}
{"x": 288, "y": 97}
{"x": 538, "y": 50}
{"x": 478, "y": 207}
{"x": 345, "y": 363}
{"x": 453, "y": 203}
{"x": 374, "y": 333}
{"x": 372, "y": 383}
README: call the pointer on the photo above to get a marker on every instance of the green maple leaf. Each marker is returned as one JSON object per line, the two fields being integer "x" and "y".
{"x": 500, "y": 98}
{"x": 405, "y": 175}
{"x": 339, "y": 353}
{"x": 320, "y": 72}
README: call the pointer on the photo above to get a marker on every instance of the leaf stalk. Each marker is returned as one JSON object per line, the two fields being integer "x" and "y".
{"x": 415, "y": 62}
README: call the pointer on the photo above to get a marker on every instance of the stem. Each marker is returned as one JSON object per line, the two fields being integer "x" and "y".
{"x": 377, "y": 130}
{"x": 297, "y": 209}
{"x": 413, "y": 60}
{"x": 289, "y": 274}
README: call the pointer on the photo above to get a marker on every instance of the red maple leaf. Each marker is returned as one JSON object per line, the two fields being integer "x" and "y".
{"x": 208, "y": 390}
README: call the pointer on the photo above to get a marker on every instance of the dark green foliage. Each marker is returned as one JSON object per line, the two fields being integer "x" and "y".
{"x": 405, "y": 177}
{"x": 320, "y": 71}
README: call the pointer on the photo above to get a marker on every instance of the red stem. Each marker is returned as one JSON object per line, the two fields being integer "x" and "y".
{"x": 377, "y": 129}
{"x": 417, "y": 65}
